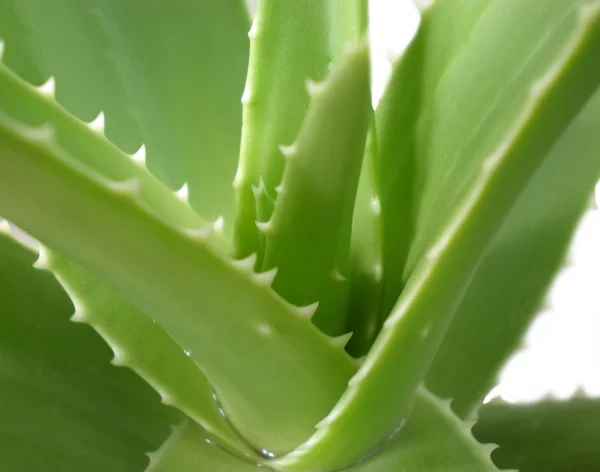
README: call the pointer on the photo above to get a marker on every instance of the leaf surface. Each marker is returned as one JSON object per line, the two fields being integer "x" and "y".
{"x": 549, "y": 436}
{"x": 64, "y": 407}
{"x": 308, "y": 235}
{"x": 217, "y": 309}
{"x": 143, "y": 346}
{"x": 545, "y": 75}
{"x": 288, "y": 45}
{"x": 169, "y": 75}
{"x": 513, "y": 277}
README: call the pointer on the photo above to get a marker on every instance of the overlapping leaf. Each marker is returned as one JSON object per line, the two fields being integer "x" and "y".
{"x": 64, "y": 407}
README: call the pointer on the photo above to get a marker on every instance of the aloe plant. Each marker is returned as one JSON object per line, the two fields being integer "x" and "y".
{"x": 264, "y": 272}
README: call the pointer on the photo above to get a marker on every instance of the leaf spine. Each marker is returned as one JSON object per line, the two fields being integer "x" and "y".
{"x": 288, "y": 151}
{"x": 43, "y": 261}
{"x": 308, "y": 311}
{"x": 48, "y": 88}
{"x": 264, "y": 227}
{"x": 266, "y": 278}
{"x": 97, "y": 124}
{"x": 337, "y": 276}
{"x": 139, "y": 156}
{"x": 341, "y": 341}
{"x": 245, "y": 265}
{"x": 183, "y": 192}
{"x": 314, "y": 88}
{"x": 218, "y": 225}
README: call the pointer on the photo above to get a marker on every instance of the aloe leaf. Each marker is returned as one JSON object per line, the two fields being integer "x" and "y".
{"x": 189, "y": 449}
{"x": 36, "y": 107}
{"x": 141, "y": 345}
{"x": 404, "y": 117}
{"x": 49, "y": 39}
{"x": 510, "y": 283}
{"x": 64, "y": 407}
{"x": 177, "y": 70}
{"x": 549, "y": 436}
{"x": 307, "y": 237}
{"x": 433, "y": 439}
{"x": 216, "y": 309}
{"x": 288, "y": 44}
{"x": 547, "y": 81}
{"x": 366, "y": 277}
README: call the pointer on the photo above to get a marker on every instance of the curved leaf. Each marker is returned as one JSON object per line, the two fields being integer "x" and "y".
{"x": 217, "y": 309}
{"x": 308, "y": 235}
{"x": 141, "y": 345}
{"x": 64, "y": 407}
{"x": 189, "y": 449}
{"x": 169, "y": 75}
{"x": 288, "y": 45}
{"x": 520, "y": 264}
{"x": 547, "y": 82}
{"x": 549, "y": 436}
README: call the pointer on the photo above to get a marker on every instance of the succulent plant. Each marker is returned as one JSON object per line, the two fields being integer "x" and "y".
{"x": 213, "y": 323}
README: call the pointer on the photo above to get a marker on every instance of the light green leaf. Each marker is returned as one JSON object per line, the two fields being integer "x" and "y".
{"x": 366, "y": 282}
{"x": 189, "y": 449}
{"x": 433, "y": 440}
{"x": 171, "y": 77}
{"x": 404, "y": 117}
{"x": 308, "y": 235}
{"x": 36, "y": 107}
{"x": 141, "y": 345}
{"x": 216, "y": 309}
{"x": 549, "y": 436}
{"x": 532, "y": 96}
{"x": 288, "y": 45}
{"x": 64, "y": 407}
{"x": 509, "y": 285}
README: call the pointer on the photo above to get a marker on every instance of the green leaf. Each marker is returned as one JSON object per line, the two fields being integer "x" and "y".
{"x": 189, "y": 449}
{"x": 36, "y": 107}
{"x": 508, "y": 287}
{"x": 214, "y": 308}
{"x": 141, "y": 345}
{"x": 64, "y": 407}
{"x": 404, "y": 118}
{"x": 544, "y": 83}
{"x": 366, "y": 278}
{"x": 308, "y": 235}
{"x": 549, "y": 436}
{"x": 433, "y": 440}
{"x": 171, "y": 77}
{"x": 288, "y": 45}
